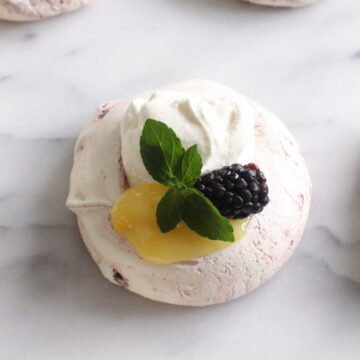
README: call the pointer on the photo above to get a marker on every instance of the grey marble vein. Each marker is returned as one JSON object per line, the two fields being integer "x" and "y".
{"x": 341, "y": 258}
{"x": 30, "y": 36}
{"x": 5, "y": 77}
{"x": 357, "y": 55}
{"x": 73, "y": 52}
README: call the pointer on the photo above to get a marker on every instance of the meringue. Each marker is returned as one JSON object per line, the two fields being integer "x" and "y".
{"x": 98, "y": 178}
{"x": 288, "y": 3}
{"x": 30, "y": 10}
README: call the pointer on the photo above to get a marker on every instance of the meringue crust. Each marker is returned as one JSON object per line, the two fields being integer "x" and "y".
{"x": 98, "y": 178}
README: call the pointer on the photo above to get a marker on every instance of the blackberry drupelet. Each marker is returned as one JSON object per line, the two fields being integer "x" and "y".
{"x": 237, "y": 191}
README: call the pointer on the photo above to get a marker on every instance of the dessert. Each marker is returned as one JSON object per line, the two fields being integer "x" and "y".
{"x": 113, "y": 191}
{"x": 30, "y": 10}
{"x": 289, "y": 3}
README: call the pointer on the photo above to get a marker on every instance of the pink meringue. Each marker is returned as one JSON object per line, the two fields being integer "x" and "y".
{"x": 98, "y": 178}
{"x": 30, "y": 10}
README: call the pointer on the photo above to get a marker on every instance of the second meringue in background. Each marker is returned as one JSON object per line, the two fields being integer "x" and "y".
{"x": 31, "y": 10}
{"x": 283, "y": 3}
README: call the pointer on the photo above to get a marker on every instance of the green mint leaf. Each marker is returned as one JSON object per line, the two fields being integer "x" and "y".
{"x": 203, "y": 217}
{"x": 168, "y": 163}
{"x": 160, "y": 150}
{"x": 170, "y": 209}
{"x": 188, "y": 167}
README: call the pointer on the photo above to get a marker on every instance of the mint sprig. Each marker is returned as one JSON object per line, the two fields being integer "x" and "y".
{"x": 170, "y": 164}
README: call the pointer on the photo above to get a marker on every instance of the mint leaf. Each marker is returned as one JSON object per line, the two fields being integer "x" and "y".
{"x": 168, "y": 163}
{"x": 188, "y": 167}
{"x": 170, "y": 209}
{"x": 203, "y": 217}
{"x": 196, "y": 210}
{"x": 160, "y": 150}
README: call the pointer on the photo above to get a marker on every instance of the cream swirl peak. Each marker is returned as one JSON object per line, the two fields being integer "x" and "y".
{"x": 222, "y": 127}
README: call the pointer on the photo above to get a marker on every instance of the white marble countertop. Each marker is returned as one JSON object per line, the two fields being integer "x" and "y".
{"x": 303, "y": 64}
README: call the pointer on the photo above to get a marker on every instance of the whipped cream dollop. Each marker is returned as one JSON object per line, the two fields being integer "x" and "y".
{"x": 222, "y": 127}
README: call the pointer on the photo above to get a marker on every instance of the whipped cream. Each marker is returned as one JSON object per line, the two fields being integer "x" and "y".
{"x": 222, "y": 127}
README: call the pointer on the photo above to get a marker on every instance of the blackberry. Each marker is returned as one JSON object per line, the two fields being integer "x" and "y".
{"x": 237, "y": 191}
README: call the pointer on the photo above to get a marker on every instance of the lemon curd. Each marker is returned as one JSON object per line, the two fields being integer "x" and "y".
{"x": 134, "y": 219}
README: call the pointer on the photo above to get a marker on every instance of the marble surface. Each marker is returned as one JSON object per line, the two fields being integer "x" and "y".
{"x": 303, "y": 64}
